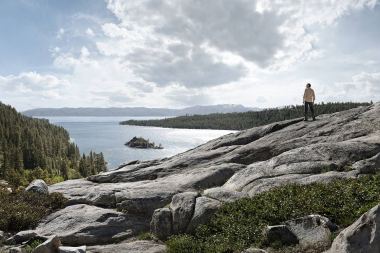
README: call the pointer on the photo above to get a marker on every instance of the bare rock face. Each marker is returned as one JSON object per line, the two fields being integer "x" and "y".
{"x": 203, "y": 211}
{"x": 161, "y": 224}
{"x": 66, "y": 249}
{"x": 87, "y": 225}
{"x": 363, "y": 236}
{"x": 38, "y": 186}
{"x": 182, "y": 207}
{"x": 135, "y": 247}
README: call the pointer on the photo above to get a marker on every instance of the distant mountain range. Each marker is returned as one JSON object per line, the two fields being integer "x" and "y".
{"x": 138, "y": 111}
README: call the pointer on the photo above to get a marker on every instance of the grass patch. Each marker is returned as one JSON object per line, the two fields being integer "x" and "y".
{"x": 239, "y": 225}
{"x": 32, "y": 245}
{"x": 145, "y": 236}
{"x": 22, "y": 210}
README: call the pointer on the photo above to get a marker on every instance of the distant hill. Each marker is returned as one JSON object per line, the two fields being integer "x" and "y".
{"x": 241, "y": 120}
{"x": 34, "y": 148}
{"x": 137, "y": 111}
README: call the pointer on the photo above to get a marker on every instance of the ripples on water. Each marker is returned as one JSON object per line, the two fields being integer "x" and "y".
{"x": 104, "y": 134}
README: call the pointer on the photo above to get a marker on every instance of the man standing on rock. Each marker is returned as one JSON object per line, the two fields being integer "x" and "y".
{"x": 308, "y": 100}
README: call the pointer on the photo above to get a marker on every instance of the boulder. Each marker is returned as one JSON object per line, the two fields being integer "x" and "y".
{"x": 65, "y": 249}
{"x": 363, "y": 236}
{"x": 203, "y": 211}
{"x": 38, "y": 186}
{"x": 182, "y": 207}
{"x": 21, "y": 237}
{"x": 280, "y": 234}
{"x": 51, "y": 245}
{"x": 135, "y": 247}
{"x": 161, "y": 224}
{"x": 87, "y": 225}
{"x": 254, "y": 250}
{"x": 312, "y": 230}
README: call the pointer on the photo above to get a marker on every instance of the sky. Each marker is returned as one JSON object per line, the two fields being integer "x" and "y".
{"x": 178, "y": 53}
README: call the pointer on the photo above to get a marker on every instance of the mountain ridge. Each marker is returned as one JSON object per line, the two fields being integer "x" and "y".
{"x": 137, "y": 111}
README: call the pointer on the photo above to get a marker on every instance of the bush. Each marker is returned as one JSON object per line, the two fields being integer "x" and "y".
{"x": 183, "y": 244}
{"x": 239, "y": 225}
{"x": 22, "y": 210}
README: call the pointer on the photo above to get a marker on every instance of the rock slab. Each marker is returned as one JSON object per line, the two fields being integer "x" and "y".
{"x": 363, "y": 236}
{"x": 88, "y": 225}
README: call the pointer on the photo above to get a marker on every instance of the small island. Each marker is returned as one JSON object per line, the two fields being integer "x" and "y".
{"x": 139, "y": 142}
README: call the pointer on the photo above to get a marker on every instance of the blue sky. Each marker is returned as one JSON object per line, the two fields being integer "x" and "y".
{"x": 167, "y": 53}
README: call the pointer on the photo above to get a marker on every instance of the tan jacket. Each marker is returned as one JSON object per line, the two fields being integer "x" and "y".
{"x": 309, "y": 95}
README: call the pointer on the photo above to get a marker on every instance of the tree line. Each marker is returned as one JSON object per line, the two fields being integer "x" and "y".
{"x": 33, "y": 148}
{"x": 244, "y": 120}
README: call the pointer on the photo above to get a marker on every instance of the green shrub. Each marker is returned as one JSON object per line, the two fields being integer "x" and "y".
{"x": 22, "y": 210}
{"x": 32, "y": 245}
{"x": 239, "y": 225}
{"x": 183, "y": 244}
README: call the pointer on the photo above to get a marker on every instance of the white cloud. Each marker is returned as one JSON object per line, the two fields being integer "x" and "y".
{"x": 31, "y": 82}
{"x": 167, "y": 52}
{"x": 363, "y": 87}
{"x": 60, "y": 33}
{"x": 90, "y": 32}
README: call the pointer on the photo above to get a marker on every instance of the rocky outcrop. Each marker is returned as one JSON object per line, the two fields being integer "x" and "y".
{"x": 363, "y": 236}
{"x": 88, "y": 225}
{"x": 135, "y": 247}
{"x": 243, "y": 164}
{"x": 139, "y": 142}
{"x": 38, "y": 186}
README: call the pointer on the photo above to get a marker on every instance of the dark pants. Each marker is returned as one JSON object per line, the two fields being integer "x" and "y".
{"x": 311, "y": 106}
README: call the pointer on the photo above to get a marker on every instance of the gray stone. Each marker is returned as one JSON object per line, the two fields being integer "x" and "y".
{"x": 224, "y": 195}
{"x": 87, "y": 225}
{"x": 38, "y": 186}
{"x": 161, "y": 223}
{"x": 312, "y": 230}
{"x": 135, "y": 247}
{"x": 21, "y": 237}
{"x": 254, "y": 250}
{"x": 2, "y": 237}
{"x": 16, "y": 250}
{"x": 363, "y": 236}
{"x": 182, "y": 207}
{"x": 280, "y": 234}
{"x": 51, "y": 245}
{"x": 368, "y": 166}
{"x": 65, "y": 249}
{"x": 204, "y": 209}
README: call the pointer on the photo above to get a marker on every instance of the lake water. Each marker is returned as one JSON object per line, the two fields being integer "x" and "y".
{"x": 104, "y": 134}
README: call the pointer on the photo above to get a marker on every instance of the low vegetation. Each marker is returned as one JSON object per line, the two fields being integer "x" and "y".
{"x": 239, "y": 225}
{"x": 22, "y": 210}
{"x": 240, "y": 121}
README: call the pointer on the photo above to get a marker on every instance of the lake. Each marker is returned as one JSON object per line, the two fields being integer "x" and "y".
{"x": 104, "y": 134}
